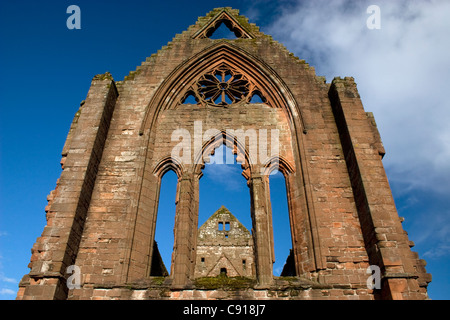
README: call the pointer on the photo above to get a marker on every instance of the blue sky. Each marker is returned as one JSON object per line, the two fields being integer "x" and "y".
{"x": 401, "y": 71}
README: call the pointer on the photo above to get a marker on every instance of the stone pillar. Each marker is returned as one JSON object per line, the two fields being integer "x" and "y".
{"x": 195, "y": 226}
{"x": 305, "y": 238}
{"x": 57, "y": 247}
{"x": 143, "y": 235}
{"x": 261, "y": 230}
{"x": 185, "y": 232}
{"x": 269, "y": 215}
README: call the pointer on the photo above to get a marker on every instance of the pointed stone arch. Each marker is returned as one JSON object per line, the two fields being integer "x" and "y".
{"x": 168, "y": 163}
{"x": 170, "y": 95}
{"x": 229, "y": 21}
{"x": 223, "y": 138}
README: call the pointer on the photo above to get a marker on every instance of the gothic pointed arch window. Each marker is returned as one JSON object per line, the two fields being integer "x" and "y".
{"x": 284, "y": 265}
{"x": 223, "y": 20}
{"x": 222, "y": 183}
{"x": 161, "y": 263}
{"x": 223, "y": 77}
{"x": 223, "y": 31}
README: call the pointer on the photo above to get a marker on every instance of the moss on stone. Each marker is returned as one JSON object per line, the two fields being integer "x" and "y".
{"x": 158, "y": 280}
{"x": 104, "y": 76}
{"x": 224, "y": 282}
{"x": 132, "y": 74}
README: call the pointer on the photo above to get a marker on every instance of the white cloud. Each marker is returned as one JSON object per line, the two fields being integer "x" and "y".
{"x": 222, "y": 172}
{"x": 226, "y": 175}
{"x": 278, "y": 270}
{"x": 5, "y": 291}
{"x": 401, "y": 71}
{"x": 433, "y": 233}
{"x": 443, "y": 249}
{"x": 3, "y": 278}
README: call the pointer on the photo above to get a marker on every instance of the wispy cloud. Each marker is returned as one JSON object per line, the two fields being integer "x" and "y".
{"x": 443, "y": 249}
{"x": 3, "y": 278}
{"x": 6, "y": 291}
{"x": 6, "y": 281}
{"x": 432, "y": 231}
{"x": 222, "y": 172}
{"x": 278, "y": 270}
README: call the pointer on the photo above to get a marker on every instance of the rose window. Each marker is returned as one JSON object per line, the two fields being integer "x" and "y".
{"x": 222, "y": 87}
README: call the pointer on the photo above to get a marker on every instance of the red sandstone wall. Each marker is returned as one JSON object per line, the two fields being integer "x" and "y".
{"x": 101, "y": 217}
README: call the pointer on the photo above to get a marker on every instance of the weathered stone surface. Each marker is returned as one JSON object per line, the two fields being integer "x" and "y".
{"x": 224, "y": 245}
{"x": 101, "y": 216}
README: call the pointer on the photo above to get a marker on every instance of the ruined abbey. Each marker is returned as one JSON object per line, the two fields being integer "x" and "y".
{"x": 171, "y": 113}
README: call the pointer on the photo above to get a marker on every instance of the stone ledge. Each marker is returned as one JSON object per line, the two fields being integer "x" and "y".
{"x": 399, "y": 275}
{"x": 220, "y": 282}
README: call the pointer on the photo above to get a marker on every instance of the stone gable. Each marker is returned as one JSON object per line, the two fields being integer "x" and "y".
{"x": 224, "y": 245}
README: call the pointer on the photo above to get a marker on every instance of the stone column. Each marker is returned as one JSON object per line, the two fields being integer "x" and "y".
{"x": 269, "y": 215}
{"x": 185, "y": 231}
{"x": 261, "y": 230}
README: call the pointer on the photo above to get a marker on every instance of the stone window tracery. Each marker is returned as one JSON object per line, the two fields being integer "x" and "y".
{"x": 222, "y": 87}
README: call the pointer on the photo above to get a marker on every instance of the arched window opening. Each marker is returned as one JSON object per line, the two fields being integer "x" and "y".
{"x": 164, "y": 237}
{"x": 223, "y": 32}
{"x": 189, "y": 98}
{"x": 224, "y": 219}
{"x": 222, "y": 184}
{"x": 257, "y": 98}
{"x": 282, "y": 238}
